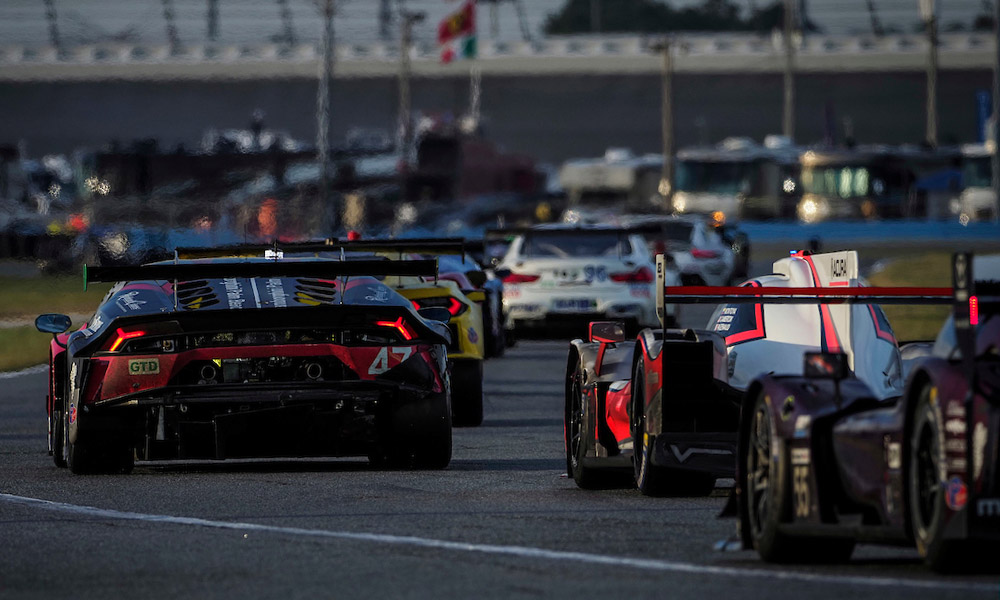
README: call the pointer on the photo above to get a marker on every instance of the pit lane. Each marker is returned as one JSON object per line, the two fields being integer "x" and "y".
{"x": 502, "y": 521}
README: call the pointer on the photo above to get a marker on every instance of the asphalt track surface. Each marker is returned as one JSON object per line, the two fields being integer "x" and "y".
{"x": 502, "y": 521}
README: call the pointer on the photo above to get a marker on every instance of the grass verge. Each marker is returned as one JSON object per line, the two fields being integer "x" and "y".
{"x": 22, "y": 347}
{"x": 27, "y": 297}
{"x": 911, "y": 323}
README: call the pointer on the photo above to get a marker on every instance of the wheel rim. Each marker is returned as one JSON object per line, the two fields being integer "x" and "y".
{"x": 928, "y": 488}
{"x": 759, "y": 468}
{"x": 575, "y": 433}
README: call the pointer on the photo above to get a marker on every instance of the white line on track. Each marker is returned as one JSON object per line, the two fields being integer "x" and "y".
{"x": 516, "y": 551}
{"x": 28, "y": 371}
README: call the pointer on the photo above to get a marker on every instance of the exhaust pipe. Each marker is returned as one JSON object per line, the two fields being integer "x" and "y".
{"x": 314, "y": 371}
{"x": 208, "y": 374}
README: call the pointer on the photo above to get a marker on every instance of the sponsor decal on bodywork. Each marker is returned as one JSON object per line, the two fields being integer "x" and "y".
{"x": 92, "y": 327}
{"x": 234, "y": 292}
{"x": 683, "y": 456}
{"x": 473, "y": 336}
{"x": 893, "y": 455}
{"x": 800, "y": 490}
{"x": 144, "y": 366}
{"x": 802, "y": 423}
{"x": 127, "y": 302}
{"x": 277, "y": 292}
{"x": 800, "y": 456}
{"x": 955, "y": 493}
{"x": 988, "y": 507}
{"x": 955, "y": 426}
{"x": 979, "y": 437}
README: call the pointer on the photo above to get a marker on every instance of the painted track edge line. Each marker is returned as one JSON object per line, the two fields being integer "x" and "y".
{"x": 27, "y": 371}
{"x": 516, "y": 551}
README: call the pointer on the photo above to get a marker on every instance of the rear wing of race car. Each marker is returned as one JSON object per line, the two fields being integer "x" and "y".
{"x": 973, "y": 300}
{"x": 278, "y": 268}
{"x": 431, "y": 246}
{"x": 839, "y": 293}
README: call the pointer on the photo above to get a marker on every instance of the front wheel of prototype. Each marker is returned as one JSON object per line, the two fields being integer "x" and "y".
{"x": 577, "y": 427}
{"x": 467, "y": 392}
{"x": 650, "y": 479}
{"x": 769, "y": 503}
{"x": 927, "y": 487}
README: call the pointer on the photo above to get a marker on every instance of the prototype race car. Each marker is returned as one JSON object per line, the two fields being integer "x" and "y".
{"x": 666, "y": 405}
{"x": 571, "y": 274}
{"x": 232, "y": 358}
{"x": 826, "y": 459}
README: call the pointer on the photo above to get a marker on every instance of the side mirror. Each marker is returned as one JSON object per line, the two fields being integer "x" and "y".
{"x": 53, "y": 323}
{"x": 435, "y": 313}
{"x": 610, "y": 332}
{"x": 826, "y": 365}
{"x": 476, "y": 278}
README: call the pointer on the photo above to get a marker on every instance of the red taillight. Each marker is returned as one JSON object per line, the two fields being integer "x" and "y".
{"x": 454, "y": 305}
{"x": 973, "y": 310}
{"x": 640, "y": 275}
{"x": 400, "y": 326}
{"x": 124, "y": 335}
{"x": 699, "y": 253}
{"x": 520, "y": 278}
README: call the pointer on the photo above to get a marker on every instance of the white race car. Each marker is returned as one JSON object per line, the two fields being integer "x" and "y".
{"x": 562, "y": 274}
{"x": 699, "y": 250}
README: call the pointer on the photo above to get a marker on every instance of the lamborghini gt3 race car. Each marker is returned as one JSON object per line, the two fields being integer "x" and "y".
{"x": 465, "y": 319}
{"x": 666, "y": 405}
{"x": 826, "y": 460}
{"x": 232, "y": 358}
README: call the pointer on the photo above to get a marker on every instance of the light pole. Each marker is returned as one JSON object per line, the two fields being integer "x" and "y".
{"x": 995, "y": 123}
{"x": 788, "y": 114}
{"x": 928, "y": 11}
{"x": 326, "y": 8}
{"x": 405, "y": 74}
{"x": 666, "y": 187}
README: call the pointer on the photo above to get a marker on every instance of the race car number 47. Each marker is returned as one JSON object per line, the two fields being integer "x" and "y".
{"x": 381, "y": 363}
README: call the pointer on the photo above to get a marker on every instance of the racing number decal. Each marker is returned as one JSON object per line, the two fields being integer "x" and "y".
{"x": 381, "y": 363}
{"x": 592, "y": 273}
{"x": 800, "y": 490}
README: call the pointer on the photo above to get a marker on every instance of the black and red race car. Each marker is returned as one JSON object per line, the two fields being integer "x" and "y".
{"x": 233, "y": 358}
{"x": 824, "y": 463}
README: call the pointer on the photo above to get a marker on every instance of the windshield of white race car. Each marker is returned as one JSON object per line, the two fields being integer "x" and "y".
{"x": 582, "y": 244}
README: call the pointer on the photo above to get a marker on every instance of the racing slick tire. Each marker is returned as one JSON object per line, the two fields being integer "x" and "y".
{"x": 770, "y": 503}
{"x": 926, "y": 489}
{"x": 578, "y": 428}
{"x": 416, "y": 435}
{"x": 467, "y": 393}
{"x": 89, "y": 458}
{"x": 650, "y": 479}
{"x": 58, "y": 439}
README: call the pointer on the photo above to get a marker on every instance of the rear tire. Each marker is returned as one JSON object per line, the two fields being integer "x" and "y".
{"x": 58, "y": 439}
{"x": 467, "y": 393}
{"x": 927, "y": 490}
{"x": 416, "y": 435}
{"x": 650, "y": 479}
{"x": 89, "y": 458}
{"x": 769, "y": 501}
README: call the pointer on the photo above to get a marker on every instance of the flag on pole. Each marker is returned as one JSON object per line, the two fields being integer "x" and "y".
{"x": 457, "y": 33}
